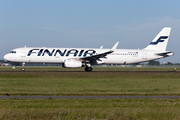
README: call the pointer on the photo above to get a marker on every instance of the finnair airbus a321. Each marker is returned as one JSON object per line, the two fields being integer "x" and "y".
{"x": 85, "y": 57}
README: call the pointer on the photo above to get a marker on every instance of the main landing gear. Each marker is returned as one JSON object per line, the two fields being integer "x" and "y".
{"x": 88, "y": 69}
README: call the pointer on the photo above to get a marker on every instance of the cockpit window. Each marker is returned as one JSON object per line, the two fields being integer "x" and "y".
{"x": 12, "y": 52}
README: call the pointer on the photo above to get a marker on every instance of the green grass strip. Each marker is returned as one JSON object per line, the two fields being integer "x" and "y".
{"x": 74, "y": 109}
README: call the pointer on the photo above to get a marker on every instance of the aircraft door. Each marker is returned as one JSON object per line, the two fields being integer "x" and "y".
{"x": 144, "y": 55}
{"x": 23, "y": 52}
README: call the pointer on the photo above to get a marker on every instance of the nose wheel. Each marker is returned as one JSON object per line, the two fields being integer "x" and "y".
{"x": 23, "y": 69}
{"x": 88, "y": 69}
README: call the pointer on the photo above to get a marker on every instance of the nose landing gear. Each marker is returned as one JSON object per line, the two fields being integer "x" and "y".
{"x": 23, "y": 64}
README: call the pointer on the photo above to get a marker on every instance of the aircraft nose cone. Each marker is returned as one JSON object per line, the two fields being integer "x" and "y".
{"x": 7, "y": 57}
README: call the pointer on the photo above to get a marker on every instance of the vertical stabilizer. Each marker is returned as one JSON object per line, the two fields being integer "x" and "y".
{"x": 160, "y": 41}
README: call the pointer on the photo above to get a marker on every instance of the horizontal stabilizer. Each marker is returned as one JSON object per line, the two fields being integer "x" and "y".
{"x": 165, "y": 54}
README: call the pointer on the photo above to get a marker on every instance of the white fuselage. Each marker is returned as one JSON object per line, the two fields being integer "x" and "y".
{"x": 59, "y": 55}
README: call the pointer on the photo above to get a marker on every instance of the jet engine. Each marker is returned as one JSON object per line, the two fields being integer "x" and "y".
{"x": 72, "y": 63}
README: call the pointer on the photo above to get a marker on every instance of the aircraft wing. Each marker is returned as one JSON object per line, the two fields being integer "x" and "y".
{"x": 101, "y": 55}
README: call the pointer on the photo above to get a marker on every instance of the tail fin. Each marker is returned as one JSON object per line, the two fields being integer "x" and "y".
{"x": 160, "y": 41}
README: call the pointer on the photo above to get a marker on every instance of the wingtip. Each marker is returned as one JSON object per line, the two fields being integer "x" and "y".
{"x": 115, "y": 46}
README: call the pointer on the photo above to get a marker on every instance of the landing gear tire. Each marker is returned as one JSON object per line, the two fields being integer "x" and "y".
{"x": 22, "y": 69}
{"x": 88, "y": 69}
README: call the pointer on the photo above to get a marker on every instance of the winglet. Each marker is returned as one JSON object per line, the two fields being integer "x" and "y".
{"x": 101, "y": 47}
{"x": 114, "y": 47}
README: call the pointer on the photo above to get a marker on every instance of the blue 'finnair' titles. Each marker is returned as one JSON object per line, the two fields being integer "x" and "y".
{"x": 82, "y": 57}
{"x": 159, "y": 40}
{"x": 55, "y": 52}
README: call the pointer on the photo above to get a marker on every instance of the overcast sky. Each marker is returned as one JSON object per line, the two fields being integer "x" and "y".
{"x": 88, "y": 23}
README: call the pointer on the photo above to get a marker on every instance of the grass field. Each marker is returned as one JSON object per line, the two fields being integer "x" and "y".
{"x": 87, "y": 109}
{"x": 58, "y": 81}
{"x": 55, "y": 81}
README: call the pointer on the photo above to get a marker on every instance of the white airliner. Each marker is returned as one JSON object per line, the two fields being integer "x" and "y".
{"x": 85, "y": 57}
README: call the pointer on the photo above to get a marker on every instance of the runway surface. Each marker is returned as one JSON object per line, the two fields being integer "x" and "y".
{"x": 101, "y": 71}
{"x": 90, "y": 97}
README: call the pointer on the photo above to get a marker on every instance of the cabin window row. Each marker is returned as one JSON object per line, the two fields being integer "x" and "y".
{"x": 122, "y": 54}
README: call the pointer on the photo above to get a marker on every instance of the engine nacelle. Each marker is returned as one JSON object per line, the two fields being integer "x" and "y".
{"x": 72, "y": 63}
